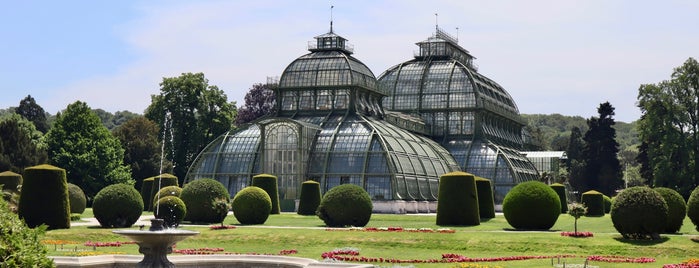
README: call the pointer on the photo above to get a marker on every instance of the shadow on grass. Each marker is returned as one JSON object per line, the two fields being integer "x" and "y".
{"x": 531, "y": 230}
{"x": 642, "y": 242}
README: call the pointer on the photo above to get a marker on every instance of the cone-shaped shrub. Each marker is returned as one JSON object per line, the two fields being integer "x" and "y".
{"x": 561, "y": 191}
{"x": 251, "y": 205}
{"x": 44, "y": 198}
{"x": 77, "y": 199}
{"x": 486, "y": 203}
{"x": 531, "y": 205}
{"x": 117, "y": 205}
{"x": 146, "y": 187}
{"x": 171, "y": 209}
{"x": 10, "y": 180}
{"x": 676, "y": 209}
{"x": 693, "y": 207}
{"x": 159, "y": 182}
{"x": 201, "y": 197}
{"x": 345, "y": 205}
{"x": 639, "y": 213}
{"x": 607, "y": 204}
{"x": 310, "y": 198}
{"x": 172, "y": 190}
{"x": 457, "y": 203}
{"x": 594, "y": 201}
{"x": 268, "y": 183}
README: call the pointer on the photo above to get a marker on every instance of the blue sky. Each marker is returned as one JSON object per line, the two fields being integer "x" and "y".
{"x": 562, "y": 57}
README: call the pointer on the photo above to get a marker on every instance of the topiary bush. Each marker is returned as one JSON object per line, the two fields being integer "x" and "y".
{"x": 172, "y": 190}
{"x": 76, "y": 199}
{"x": 44, "y": 198}
{"x": 607, "y": 204}
{"x": 171, "y": 209}
{"x": 639, "y": 213}
{"x": 201, "y": 197}
{"x": 561, "y": 191}
{"x": 20, "y": 246}
{"x": 268, "y": 183}
{"x": 486, "y": 202}
{"x": 693, "y": 207}
{"x": 531, "y": 205}
{"x": 594, "y": 201}
{"x": 252, "y": 205}
{"x": 146, "y": 188}
{"x": 676, "y": 209}
{"x": 457, "y": 202}
{"x": 117, "y": 206}
{"x": 310, "y": 198}
{"x": 10, "y": 180}
{"x": 159, "y": 182}
{"x": 345, "y": 205}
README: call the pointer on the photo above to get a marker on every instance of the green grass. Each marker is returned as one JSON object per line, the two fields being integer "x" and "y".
{"x": 493, "y": 238}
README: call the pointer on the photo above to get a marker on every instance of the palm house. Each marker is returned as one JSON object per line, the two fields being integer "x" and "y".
{"x": 330, "y": 127}
{"x": 470, "y": 115}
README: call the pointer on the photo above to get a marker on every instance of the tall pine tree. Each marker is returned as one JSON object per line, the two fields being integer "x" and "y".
{"x": 602, "y": 171}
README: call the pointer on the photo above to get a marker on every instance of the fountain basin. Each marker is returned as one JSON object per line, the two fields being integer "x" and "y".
{"x": 155, "y": 245}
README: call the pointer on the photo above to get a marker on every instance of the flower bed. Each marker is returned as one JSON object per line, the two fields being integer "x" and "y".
{"x": 107, "y": 244}
{"x": 394, "y": 229}
{"x": 690, "y": 263}
{"x": 577, "y": 234}
{"x": 221, "y": 227}
{"x": 211, "y": 251}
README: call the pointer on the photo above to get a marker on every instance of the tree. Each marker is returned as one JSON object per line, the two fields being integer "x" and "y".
{"x": 33, "y": 112}
{"x": 91, "y": 156}
{"x": 577, "y": 210}
{"x": 259, "y": 101}
{"x": 602, "y": 171}
{"x": 669, "y": 130}
{"x": 575, "y": 162}
{"x": 195, "y": 112}
{"x": 142, "y": 148}
{"x": 20, "y": 144}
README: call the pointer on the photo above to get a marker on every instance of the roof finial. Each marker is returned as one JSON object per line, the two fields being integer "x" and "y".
{"x": 436, "y": 20}
{"x": 457, "y": 34}
{"x": 331, "y": 18}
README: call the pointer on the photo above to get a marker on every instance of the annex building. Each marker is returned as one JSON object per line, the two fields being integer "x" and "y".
{"x": 337, "y": 123}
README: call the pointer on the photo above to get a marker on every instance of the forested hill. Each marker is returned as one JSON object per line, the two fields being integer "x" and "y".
{"x": 551, "y": 131}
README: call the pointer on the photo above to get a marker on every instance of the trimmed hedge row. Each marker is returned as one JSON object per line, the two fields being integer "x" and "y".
{"x": 10, "y": 180}
{"x": 561, "y": 191}
{"x": 457, "y": 203}
{"x": 486, "y": 201}
{"x": 594, "y": 201}
{"x": 310, "y": 198}
{"x": 268, "y": 183}
{"x": 44, "y": 198}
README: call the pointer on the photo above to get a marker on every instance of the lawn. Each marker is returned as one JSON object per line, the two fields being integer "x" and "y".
{"x": 492, "y": 238}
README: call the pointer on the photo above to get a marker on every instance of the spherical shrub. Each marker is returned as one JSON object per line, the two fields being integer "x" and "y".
{"x": 486, "y": 203}
{"x": 457, "y": 202}
{"x": 531, "y": 205}
{"x": 639, "y": 213}
{"x": 77, "y": 199}
{"x": 44, "y": 198}
{"x": 117, "y": 205}
{"x": 201, "y": 196}
{"x": 561, "y": 191}
{"x": 607, "y": 204}
{"x": 171, "y": 209}
{"x": 268, "y": 183}
{"x": 676, "y": 209}
{"x": 159, "y": 182}
{"x": 594, "y": 201}
{"x": 345, "y": 205}
{"x": 310, "y": 198}
{"x": 171, "y": 190}
{"x": 693, "y": 207}
{"x": 252, "y": 205}
{"x": 146, "y": 187}
{"x": 10, "y": 180}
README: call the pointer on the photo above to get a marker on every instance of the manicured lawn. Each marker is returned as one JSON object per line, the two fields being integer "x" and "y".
{"x": 493, "y": 238}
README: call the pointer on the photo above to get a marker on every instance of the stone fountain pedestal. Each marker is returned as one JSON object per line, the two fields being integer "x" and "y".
{"x": 156, "y": 243}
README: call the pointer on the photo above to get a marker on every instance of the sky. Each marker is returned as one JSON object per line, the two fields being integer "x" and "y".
{"x": 554, "y": 56}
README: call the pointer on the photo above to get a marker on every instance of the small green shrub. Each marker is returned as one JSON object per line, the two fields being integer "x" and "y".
{"x": 639, "y": 213}
{"x": 607, "y": 204}
{"x": 77, "y": 199}
{"x": 146, "y": 187}
{"x": 268, "y": 183}
{"x": 594, "y": 201}
{"x": 159, "y": 182}
{"x": 44, "y": 198}
{"x": 172, "y": 190}
{"x": 345, "y": 205}
{"x": 310, "y": 198}
{"x": 693, "y": 207}
{"x": 10, "y": 180}
{"x": 201, "y": 197}
{"x": 561, "y": 191}
{"x": 75, "y": 216}
{"x": 171, "y": 209}
{"x": 531, "y": 205}
{"x": 252, "y": 205}
{"x": 486, "y": 202}
{"x": 20, "y": 246}
{"x": 457, "y": 202}
{"x": 117, "y": 205}
{"x": 676, "y": 209}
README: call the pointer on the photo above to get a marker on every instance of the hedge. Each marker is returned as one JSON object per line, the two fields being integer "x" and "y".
{"x": 310, "y": 198}
{"x": 561, "y": 191}
{"x": 486, "y": 202}
{"x": 594, "y": 201}
{"x": 10, "y": 180}
{"x": 457, "y": 203}
{"x": 44, "y": 198}
{"x": 268, "y": 183}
